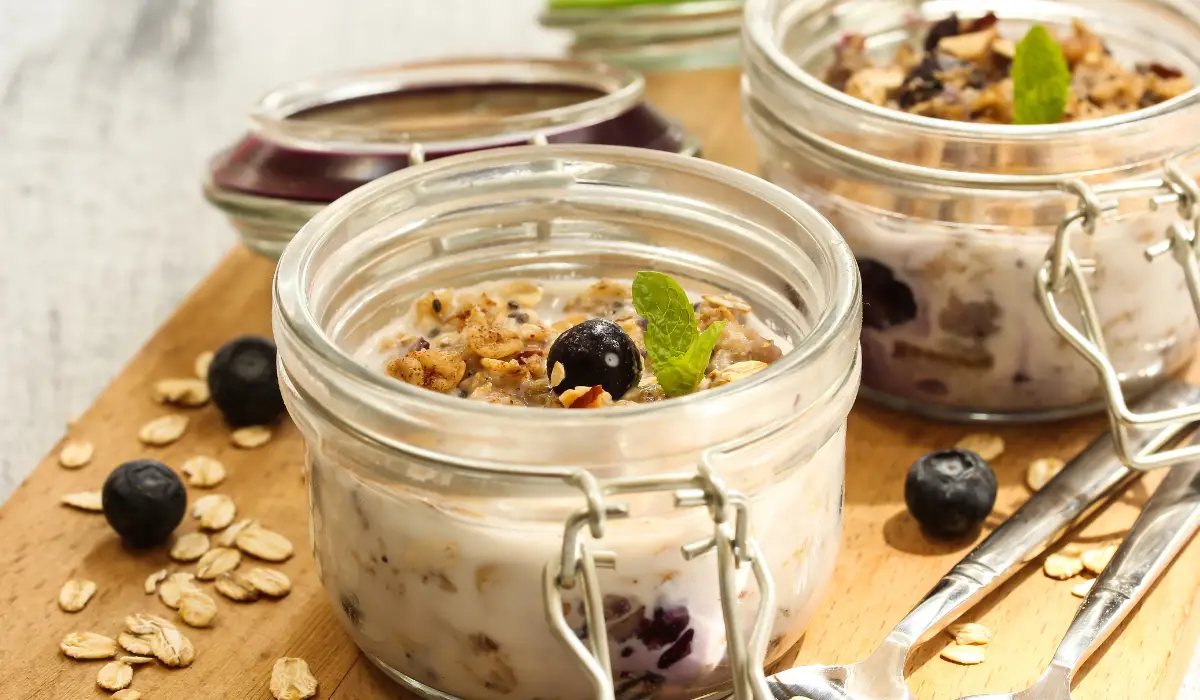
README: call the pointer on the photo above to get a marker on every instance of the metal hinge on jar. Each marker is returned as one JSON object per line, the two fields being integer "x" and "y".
{"x": 1064, "y": 272}
{"x": 731, "y": 541}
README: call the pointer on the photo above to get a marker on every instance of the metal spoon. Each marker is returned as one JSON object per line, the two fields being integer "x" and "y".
{"x": 1170, "y": 518}
{"x": 1083, "y": 484}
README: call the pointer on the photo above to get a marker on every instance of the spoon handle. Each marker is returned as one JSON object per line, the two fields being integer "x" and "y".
{"x": 1169, "y": 519}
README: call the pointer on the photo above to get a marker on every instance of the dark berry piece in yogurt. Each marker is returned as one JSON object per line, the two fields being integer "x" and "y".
{"x": 950, "y": 492}
{"x": 679, "y": 651}
{"x": 596, "y": 352}
{"x": 948, "y": 26}
{"x": 664, "y": 627}
{"x": 887, "y": 301}
{"x": 349, "y": 603}
{"x": 144, "y": 502}
{"x": 243, "y": 382}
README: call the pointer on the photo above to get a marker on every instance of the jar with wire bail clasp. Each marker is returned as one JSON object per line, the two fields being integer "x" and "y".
{"x": 313, "y": 141}
{"x": 472, "y": 549}
{"x": 953, "y": 223}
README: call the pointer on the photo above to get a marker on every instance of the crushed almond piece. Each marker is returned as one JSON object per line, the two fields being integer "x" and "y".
{"x": 75, "y": 454}
{"x": 557, "y": 374}
{"x": 586, "y": 397}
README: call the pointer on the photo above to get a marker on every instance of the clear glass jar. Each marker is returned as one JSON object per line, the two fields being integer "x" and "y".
{"x": 434, "y": 519}
{"x": 315, "y": 140}
{"x": 651, "y": 35}
{"x": 951, "y": 221}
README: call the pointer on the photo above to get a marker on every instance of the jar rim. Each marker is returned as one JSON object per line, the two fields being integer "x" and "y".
{"x": 293, "y": 281}
{"x": 620, "y": 88}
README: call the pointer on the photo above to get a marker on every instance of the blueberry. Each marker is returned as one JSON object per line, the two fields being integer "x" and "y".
{"x": 243, "y": 382}
{"x": 948, "y": 26}
{"x": 950, "y": 492}
{"x": 144, "y": 502}
{"x": 666, "y": 627}
{"x": 594, "y": 352}
{"x": 887, "y": 301}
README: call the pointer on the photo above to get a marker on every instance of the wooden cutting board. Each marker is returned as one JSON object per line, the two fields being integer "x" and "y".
{"x": 885, "y": 566}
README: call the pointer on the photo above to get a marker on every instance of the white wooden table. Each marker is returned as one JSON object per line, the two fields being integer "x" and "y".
{"x": 108, "y": 111}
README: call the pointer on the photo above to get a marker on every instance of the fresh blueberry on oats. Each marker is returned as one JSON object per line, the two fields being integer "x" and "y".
{"x": 144, "y": 502}
{"x": 596, "y": 351}
{"x": 950, "y": 492}
{"x": 243, "y": 382}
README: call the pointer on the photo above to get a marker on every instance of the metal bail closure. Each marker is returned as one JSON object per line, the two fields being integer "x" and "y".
{"x": 731, "y": 542}
{"x": 1063, "y": 272}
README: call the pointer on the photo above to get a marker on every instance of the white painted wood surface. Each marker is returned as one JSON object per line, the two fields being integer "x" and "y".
{"x": 108, "y": 110}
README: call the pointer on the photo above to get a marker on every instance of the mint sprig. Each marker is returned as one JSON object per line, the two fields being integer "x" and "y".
{"x": 1041, "y": 79}
{"x": 678, "y": 350}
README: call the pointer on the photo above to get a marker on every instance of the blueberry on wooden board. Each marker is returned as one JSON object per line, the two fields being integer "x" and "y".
{"x": 596, "y": 352}
{"x": 243, "y": 382}
{"x": 144, "y": 501}
{"x": 950, "y": 492}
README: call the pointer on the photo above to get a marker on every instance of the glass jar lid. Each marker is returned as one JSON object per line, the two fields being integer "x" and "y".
{"x": 316, "y": 140}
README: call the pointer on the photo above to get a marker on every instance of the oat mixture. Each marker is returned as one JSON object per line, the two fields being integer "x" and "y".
{"x": 962, "y": 73}
{"x": 491, "y": 343}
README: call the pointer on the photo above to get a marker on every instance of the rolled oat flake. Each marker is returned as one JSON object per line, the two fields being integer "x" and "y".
{"x": 291, "y": 680}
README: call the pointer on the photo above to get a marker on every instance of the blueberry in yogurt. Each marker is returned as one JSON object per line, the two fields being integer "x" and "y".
{"x": 887, "y": 302}
{"x": 596, "y": 351}
{"x": 950, "y": 492}
{"x": 144, "y": 502}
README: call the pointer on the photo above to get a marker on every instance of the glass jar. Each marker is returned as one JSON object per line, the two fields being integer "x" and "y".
{"x": 438, "y": 523}
{"x": 951, "y": 221}
{"x": 315, "y": 140}
{"x": 651, "y": 35}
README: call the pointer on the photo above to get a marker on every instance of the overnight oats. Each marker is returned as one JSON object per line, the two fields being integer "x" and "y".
{"x": 947, "y": 148}
{"x": 430, "y": 341}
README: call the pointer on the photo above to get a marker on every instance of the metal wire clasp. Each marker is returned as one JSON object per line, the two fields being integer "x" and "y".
{"x": 1063, "y": 272}
{"x": 578, "y": 563}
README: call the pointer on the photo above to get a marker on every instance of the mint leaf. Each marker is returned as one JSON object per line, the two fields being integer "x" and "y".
{"x": 1041, "y": 79}
{"x": 671, "y": 319}
{"x": 680, "y": 374}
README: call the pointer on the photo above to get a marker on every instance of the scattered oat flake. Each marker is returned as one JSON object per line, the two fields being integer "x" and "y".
{"x": 85, "y": 500}
{"x": 145, "y": 623}
{"x": 163, "y": 430}
{"x": 264, "y": 544}
{"x": 964, "y": 654}
{"x": 75, "y": 454}
{"x": 74, "y": 595}
{"x": 970, "y": 633}
{"x": 137, "y": 660}
{"x": 197, "y": 608}
{"x": 171, "y": 590}
{"x": 189, "y": 392}
{"x": 1094, "y": 560}
{"x": 228, "y": 536}
{"x": 269, "y": 582}
{"x": 1062, "y": 567}
{"x": 115, "y": 675}
{"x": 1081, "y": 589}
{"x": 202, "y": 363}
{"x": 986, "y": 445}
{"x": 153, "y": 580}
{"x": 235, "y": 586}
{"x": 217, "y": 561}
{"x": 215, "y": 511}
{"x": 171, "y": 647}
{"x": 134, "y": 644}
{"x": 1041, "y": 471}
{"x": 88, "y": 645}
{"x": 291, "y": 680}
{"x": 127, "y": 694}
{"x": 203, "y": 472}
{"x": 251, "y": 437}
{"x": 190, "y": 547}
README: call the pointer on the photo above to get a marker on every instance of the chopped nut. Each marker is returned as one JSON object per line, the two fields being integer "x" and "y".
{"x": 235, "y": 586}
{"x": 127, "y": 694}
{"x": 190, "y": 547}
{"x": 88, "y": 645}
{"x": 85, "y": 500}
{"x": 964, "y": 654}
{"x": 557, "y": 374}
{"x": 251, "y": 437}
{"x": 74, "y": 595}
{"x": 203, "y": 472}
{"x": 873, "y": 84}
{"x": 189, "y": 392}
{"x": 228, "y": 536}
{"x": 269, "y": 582}
{"x": 115, "y": 675}
{"x": 197, "y": 608}
{"x": 134, "y": 644}
{"x": 968, "y": 47}
{"x": 291, "y": 680}
{"x": 736, "y": 372}
{"x": 1081, "y": 589}
{"x": 215, "y": 511}
{"x": 136, "y": 660}
{"x": 202, "y": 363}
{"x": 217, "y": 561}
{"x": 264, "y": 544}
{"x": 1094, "y": 560}
{"x": 970, "y": 633}
{"x": 733, "y": 303}
{"x": 586, "y": 397}
{"x": 163, "y": 430}
{"x": 1041, "y": 471}
{"x": 75, "y": 454}
{"x": 153, "y": 580}
{"x": 1062, "y": 567}
{"x": 985, "y": 445}
{"x": 172, "y": 590}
